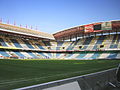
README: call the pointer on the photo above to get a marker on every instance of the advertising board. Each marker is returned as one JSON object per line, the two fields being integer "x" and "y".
{"x": 89, "y": 28}
{"x": 107, "y": 25}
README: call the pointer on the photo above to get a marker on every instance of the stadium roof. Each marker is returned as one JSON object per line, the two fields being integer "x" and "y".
{"x": 24, "y": 31}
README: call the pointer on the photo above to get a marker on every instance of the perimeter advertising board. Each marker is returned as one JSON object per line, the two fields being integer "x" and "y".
{"x": 107, "y": 26}
{"x": 97, "y": 27}
{"x": 89, "y": 28}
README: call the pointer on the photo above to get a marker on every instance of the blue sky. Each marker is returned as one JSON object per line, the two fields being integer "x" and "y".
{"x": 54, "y": 15}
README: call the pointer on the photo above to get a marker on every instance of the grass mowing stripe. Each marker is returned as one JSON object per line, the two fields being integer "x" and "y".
{"x": 48, "y": 76}
{"x": 14, "y": 81}
{"x": 21, "y": 73}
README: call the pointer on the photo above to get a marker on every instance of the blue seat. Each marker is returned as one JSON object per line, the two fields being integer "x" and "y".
{"x": 42, "y": 54}
{"x": 60, "y": 43}
{"x": 113, "y": 46}
{"x": 3, "y": 53}
{"x": 47, "y": 43}
{"x": 95, "y": 55}
{"x": 57, "y": 48}
{"x": 49, "y": 54}
{"x": 100, "y": 39}
{"x": 81, "y": 56}
{"x": 15, "y": 42}
{"x": 69, "y": 55}
{"x": 2, "y": 42}
{"x": 87, "y": 41}
{"x": 19, "y": 54}
{"x": 40, "y": 46}
{"x": 84, "y": 47}
{"x": 28, "y": 44}
{"x": 57, "y": 54}
{"x": 112, "y": 56}
{"x": 70, "y": 46}
{"x": 31, "y": 54}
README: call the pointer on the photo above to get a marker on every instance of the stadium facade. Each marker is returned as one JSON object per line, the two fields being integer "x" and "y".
{"x": 99, "y": 40}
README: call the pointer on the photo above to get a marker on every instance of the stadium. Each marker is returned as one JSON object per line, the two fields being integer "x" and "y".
{"x": 75, "y": 51}
{"x": 93, "y": 41}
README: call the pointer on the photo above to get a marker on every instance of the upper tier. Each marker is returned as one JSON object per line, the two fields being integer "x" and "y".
{"x": 25, "y": 31}
{"x": 88, "y": 29}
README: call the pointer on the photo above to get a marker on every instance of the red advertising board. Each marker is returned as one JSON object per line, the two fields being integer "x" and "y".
{"x": 89, "y": 28}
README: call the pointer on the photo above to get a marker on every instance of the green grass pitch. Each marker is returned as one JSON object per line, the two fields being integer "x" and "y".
{"x": 21, "y": 73}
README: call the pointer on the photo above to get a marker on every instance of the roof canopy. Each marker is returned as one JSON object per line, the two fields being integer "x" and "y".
{"x": 25, "y": 31}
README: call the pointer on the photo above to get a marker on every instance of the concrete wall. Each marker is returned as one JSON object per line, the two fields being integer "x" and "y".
{"x": 94, "y": 81}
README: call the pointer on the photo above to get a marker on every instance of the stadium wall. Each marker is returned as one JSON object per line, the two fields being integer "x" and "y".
{"x": 94, "y": 81}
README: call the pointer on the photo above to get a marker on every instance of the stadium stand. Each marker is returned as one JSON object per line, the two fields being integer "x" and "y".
{"x": 23, "y": 44}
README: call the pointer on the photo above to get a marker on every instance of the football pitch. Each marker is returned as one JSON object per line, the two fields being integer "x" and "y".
{"x": 21, "y": 73}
